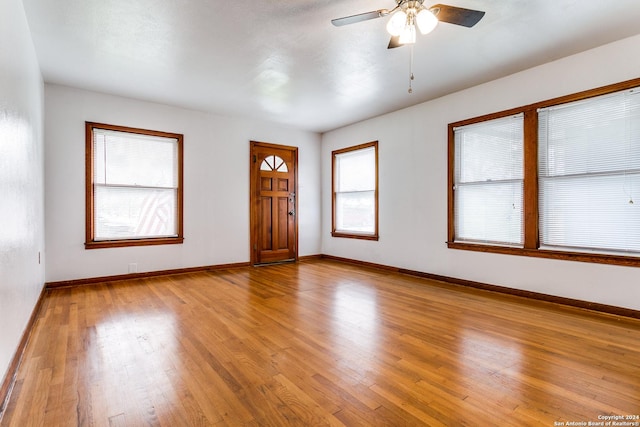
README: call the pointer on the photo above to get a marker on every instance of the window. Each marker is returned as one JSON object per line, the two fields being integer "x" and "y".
{"x": 355, "y": 192}
{"x": 134, "y": 187}
{"x": 274, "y": 163}
{"x": 576, "y": 190}
{"x": 589, "y": 172}
{"x": 488, "y": 181}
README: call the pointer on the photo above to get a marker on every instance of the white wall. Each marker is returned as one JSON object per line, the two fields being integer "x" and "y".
{"x": 216, "y": 180}
{"x": 413, "y": 183}
{"x": 21, "y": 179}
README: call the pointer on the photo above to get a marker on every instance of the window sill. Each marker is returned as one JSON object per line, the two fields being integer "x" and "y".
{"x": 355, "y": 235}
{"x": 629, "y": 261}
{"x": 100, "y": 244}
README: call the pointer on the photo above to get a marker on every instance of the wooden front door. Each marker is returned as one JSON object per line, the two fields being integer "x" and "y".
{"x": 274, "y": 225}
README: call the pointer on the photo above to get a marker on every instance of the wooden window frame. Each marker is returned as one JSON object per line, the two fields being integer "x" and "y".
{"x": 90, "y": 242}
{"x": 530, "y": 196}
{"x": 353, "y": 235}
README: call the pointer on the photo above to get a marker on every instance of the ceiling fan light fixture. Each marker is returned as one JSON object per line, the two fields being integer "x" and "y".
{"x": 397, "y": 23}
{"x": 408, "y": 35}
{"x": 426, "y": 21}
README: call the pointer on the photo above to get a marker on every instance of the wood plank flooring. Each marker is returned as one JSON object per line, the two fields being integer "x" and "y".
{"x": 319, "y": 343}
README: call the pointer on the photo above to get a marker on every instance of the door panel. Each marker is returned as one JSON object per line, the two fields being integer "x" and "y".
{"x": 273, "y": 203}
{"x": 265, "y": 218}
{"x": 266, "y": 183}
{"x": 283, "y": 229}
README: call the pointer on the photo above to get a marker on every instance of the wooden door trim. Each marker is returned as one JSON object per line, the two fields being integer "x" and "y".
{"x": 253, "y": 208}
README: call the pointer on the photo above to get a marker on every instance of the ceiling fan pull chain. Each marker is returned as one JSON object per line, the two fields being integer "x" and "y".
{"x": 410, "y": 69}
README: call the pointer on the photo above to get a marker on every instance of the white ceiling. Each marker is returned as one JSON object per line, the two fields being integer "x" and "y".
{"x": 283, "y": 61}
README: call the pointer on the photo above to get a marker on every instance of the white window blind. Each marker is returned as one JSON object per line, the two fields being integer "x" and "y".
{"x": 135, "y": 179}
{"x": 488, "y": 182}
{"x": 589, "y": 173}
{"x": 355, "y": 185}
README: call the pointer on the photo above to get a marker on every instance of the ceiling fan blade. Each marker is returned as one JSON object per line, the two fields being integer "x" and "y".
{"x": 338, "y": 22}
{"x": 457, "y": 15}
{"x": 394, "y": 42}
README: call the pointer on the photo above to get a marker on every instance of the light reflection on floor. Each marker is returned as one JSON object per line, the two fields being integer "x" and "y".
{"x": 490, "y": 361}
{"x": 480, "y": 348}
{"x": 356, "y": 321}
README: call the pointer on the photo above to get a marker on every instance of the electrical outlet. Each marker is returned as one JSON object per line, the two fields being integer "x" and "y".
{"x": 133, "y": 267}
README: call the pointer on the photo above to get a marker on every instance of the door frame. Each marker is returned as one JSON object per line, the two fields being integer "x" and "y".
{"x": 254, "y": 217}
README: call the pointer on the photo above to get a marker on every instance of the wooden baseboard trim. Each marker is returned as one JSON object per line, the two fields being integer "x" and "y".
{"x": 576, "y": 303}
{"x": 9, "y": 379}
{"x": 306, "y": 258}
{"x": 587, "y": 305}
{"x": 361, "y": 263}
{"x": 94, "y": 280}
{"x": 129, "y": 276}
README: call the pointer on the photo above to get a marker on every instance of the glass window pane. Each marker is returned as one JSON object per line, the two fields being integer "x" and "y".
{"x": 129, "y": 159}
{"x": 594, "y": 212}
{"x": 489, "y": 213}
{"x": 491, "y": 150}
{"x": 267, "y": 164}
{"x": 274, "y": 163}
{"x": 355, "y": 212}
{"x": 592, "y": 136}
{"x": 124, "y": 212}
{"x": 281, "y": 165}
{"x": 356, "y": 170}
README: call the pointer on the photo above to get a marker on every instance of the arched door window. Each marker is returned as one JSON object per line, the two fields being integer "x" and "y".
{"x": 274, "y": 163}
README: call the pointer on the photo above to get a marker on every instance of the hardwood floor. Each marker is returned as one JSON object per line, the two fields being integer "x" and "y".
{"x": 319, "y": 343}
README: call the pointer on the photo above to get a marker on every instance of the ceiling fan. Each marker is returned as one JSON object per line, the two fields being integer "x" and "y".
{"x": 407, "y": 14}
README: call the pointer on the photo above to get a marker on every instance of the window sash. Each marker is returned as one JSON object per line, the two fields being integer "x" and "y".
{"x": 355, "y": 212}
{"x": 497, "y": 222}
{"x": 134, "y": 159}
{"x": 123, "y": 212}
{"x": 488, "y": 182}
{"x": 356, "y": 170}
